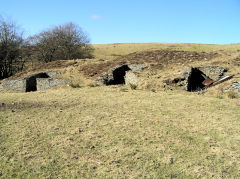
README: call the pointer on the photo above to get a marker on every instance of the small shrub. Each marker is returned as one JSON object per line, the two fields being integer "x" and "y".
{"x": 153, "y": 90}
{"x": 219, "y": 96}
{"x": 75, "y": 85}
{"x": 232, "y": 95}
{"x": 133, "y": 86}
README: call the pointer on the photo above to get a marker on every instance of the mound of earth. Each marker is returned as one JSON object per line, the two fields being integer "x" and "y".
{"x": 166, "y": 57}
{"x": 157, "y": 59}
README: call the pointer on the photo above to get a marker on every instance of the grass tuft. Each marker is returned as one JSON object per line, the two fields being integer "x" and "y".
{"x": 232, "y": 94}
{"x": 75, "y": 85}
{"x": 133, "y": 86}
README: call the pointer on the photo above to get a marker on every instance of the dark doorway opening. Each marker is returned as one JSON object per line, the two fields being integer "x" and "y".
{"x": 31, "y": 81}
{"x": 118, "y": 75}
{"x": 195, "y": 80}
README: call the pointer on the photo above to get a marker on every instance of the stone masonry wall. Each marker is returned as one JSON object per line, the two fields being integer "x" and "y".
{"x": 213, "y": 72}
{"x": 47, "y": 83}
{"x": 15, "y": 85}
{"x": 130, "y": 78}
{"x": 39, "y": 81}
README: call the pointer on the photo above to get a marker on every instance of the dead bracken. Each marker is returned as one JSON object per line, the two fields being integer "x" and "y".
{"x": 157, "y": 58}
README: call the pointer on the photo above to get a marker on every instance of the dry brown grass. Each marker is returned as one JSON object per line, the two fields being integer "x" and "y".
{"x": 106, "y": 133}
{"x": 111, "y": 51}
{"x": 115, "y": 132}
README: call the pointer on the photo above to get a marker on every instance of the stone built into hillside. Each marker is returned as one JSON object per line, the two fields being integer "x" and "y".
{"x": 198, "y": 78}
{"x": 36, "y": 82}
{"x": 121, "y": 74}
{"x": 130, "y": 78}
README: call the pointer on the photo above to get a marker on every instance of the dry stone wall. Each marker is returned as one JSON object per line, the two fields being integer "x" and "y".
{"x": 121, "y": 74}
{"x": 39, "y": 81}
{"x": 130, "y": 78}
{"x": 15, "y": 85}
{"x": 213, "y": 72}
{"x": 196, "y": 78}
{"x": 47, "y": 83}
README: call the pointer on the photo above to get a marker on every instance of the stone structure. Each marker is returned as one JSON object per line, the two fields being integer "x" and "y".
{"x": 117, "y": 75}
{"x": 137, "y": 67}
{"x": 46, "y": 83}
{"x": 39, "y": 81}
{"x": 14, "y": 85}
{"x": 130, "y": 78}
{"x": 198, "y": 78}
{"x": 195, "y": 79}
{"x": 213, "y": 72}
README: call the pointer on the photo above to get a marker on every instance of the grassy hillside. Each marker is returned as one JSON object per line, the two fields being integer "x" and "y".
{"x": 113, "y": 50}
{"x": 116, "y": 132}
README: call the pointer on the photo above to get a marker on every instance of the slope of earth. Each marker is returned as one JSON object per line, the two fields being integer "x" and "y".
{"x": 104, "y": 132}
{"x": 156, "y": 58}
{"x": 111, "y": 51}
{"x": 163, "y": 60}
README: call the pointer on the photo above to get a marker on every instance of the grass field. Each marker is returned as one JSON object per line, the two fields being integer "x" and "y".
{"x": 117, "y": 132}
{"x": 111, "y": 51}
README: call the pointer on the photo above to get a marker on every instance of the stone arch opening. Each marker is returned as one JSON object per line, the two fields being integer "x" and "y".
{"x": 31, "y": 82}
{"x": 118, "y": 75}
{"x": 195, "y": 80}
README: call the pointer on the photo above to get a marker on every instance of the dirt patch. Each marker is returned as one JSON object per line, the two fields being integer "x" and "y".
{"x": 157, "y": 60}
